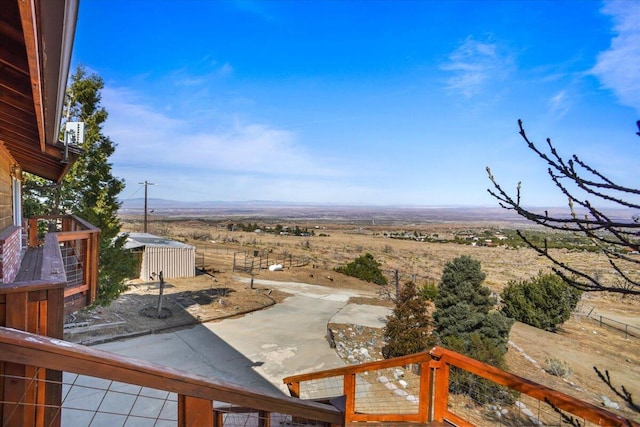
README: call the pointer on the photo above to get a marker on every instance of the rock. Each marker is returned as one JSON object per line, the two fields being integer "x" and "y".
{"x": 382, "y": 379}
{"x": 608, "y": 403}
{"x": 398, "y": 373}
{"x": 411, "y": 398}
{"x": 401, "y": 393}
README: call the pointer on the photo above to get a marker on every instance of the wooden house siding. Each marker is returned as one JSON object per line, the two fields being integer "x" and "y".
{"x": 6, "y": 193}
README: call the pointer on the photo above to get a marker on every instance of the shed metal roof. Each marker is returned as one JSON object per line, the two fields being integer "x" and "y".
{"x": 138, "y": 240}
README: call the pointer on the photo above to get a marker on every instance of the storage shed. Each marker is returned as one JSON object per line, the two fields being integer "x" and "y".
{"x": 155, "y": 254}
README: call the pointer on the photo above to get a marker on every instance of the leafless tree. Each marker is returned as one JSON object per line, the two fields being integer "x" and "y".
{"x": 617, "y": 239}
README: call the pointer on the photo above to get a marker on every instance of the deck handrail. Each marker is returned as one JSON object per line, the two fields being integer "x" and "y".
{"x": 557, "y": 399}
{"x": 83, "y": 237}
{"x": 433, "y": 403}
{"x": 55, "y": 354}
{"x": 68, "y": 223}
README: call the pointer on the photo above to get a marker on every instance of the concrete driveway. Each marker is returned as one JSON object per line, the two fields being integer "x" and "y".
{"x": 259, "y": 349}
{"x": 255, "y": 351}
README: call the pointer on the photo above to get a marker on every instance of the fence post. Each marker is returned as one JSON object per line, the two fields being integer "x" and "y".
{"x": 397, "y": 279}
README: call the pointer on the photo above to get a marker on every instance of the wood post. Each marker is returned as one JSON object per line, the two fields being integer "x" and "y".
{"x": 350, "y": 394}
{"x": 425, "y": 393}
{"x": 195, "y": 412}
{"x": 32, "y": 395}
{"x": 294, "y": 389}
{"x": 440, "y": 395}
{"x": 33, "y": 232}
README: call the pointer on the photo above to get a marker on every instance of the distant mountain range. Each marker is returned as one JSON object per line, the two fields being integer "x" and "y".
{"x": 254, "y": 209}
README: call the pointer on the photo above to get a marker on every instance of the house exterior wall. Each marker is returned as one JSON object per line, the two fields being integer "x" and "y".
{"x": 10, "y": 254}
{"x": 173, "y": 262}
{"x": 6, "y": 191}
{"x": 10, "y": 235}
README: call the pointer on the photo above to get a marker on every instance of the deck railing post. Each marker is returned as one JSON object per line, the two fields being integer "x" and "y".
{"x": 32, "y": 232}
{"x": 194, "y": 412}
{"x": 424, "y": 404}
{"x": 349, "y": 391}
{"x": 294, "y": 389}
{"x": 29, "y": 393}
{"x": 439, "y": 390}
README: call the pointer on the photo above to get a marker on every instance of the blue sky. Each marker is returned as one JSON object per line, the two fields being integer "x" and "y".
{"x": 362, "y": 102}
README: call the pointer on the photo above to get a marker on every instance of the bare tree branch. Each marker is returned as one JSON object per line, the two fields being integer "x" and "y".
{"x": 623, "y": 393}
{"x": 614, "y": 238}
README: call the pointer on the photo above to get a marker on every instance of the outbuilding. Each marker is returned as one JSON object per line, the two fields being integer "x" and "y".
{"x": 155, "y": 254}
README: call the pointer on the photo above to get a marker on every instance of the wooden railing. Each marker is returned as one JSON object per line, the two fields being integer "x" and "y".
{"x": 76, "y": 242}
{"x": 35, "y": 307}
{"x": 200, "y": 401}
{"x": 420, "y": 383}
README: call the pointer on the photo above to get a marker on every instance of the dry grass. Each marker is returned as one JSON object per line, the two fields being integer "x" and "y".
{"x": 580, "y": 343}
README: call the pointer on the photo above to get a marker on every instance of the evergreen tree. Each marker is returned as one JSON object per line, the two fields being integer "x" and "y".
{"x": 544, "y": 301}
{"x": 408, "y": 328}
{"x": 465, "y": 322}
{"x": 89, "y": 190}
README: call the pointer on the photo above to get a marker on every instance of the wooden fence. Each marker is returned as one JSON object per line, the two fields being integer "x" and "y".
{"x": 249, "y": 261}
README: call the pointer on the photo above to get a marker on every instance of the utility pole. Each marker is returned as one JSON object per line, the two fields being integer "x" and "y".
{"x": 146, "y": 184}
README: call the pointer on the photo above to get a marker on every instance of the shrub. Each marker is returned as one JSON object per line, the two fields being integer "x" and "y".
{"x": 364, "y": 267}
{"x": 544, "y": 301}
{"x": 429, "y": 291}
{"x": 557, "y": 367}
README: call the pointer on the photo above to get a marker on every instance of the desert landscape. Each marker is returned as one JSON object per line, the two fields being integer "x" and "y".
{"x": 582, "y": 343}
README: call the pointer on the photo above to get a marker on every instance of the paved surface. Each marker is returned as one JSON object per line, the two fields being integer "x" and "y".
{"x": 256, "y": 351}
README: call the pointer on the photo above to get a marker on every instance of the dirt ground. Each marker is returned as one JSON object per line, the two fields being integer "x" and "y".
{"x": 581, "y": 343}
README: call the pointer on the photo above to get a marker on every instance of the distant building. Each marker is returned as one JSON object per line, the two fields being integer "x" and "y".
{"x": 155, "y": 254}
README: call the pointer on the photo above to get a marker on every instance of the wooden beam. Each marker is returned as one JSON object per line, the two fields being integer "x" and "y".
{"x": 28, "y": 17}
{"x": 15, "y": 81}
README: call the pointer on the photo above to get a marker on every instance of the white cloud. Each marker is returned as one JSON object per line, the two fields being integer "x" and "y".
{"x": 214, "y": 71}
{"x": 474, "y": 65}
{"x": 225, "y": 70}
{"x": 559, "y": 104}
{"x": 617, "y": 67}
{"x": 150, "y": 139}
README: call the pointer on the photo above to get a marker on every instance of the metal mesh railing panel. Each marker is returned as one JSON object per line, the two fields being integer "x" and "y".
{"x": 72, "y": 256}
{"x": 91, "y": 401}
{"x": 322, "y": 388}
{"x": 236, "y": 416}
{"x": 387, "y": 391}
{"x": 484, "y": 403}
